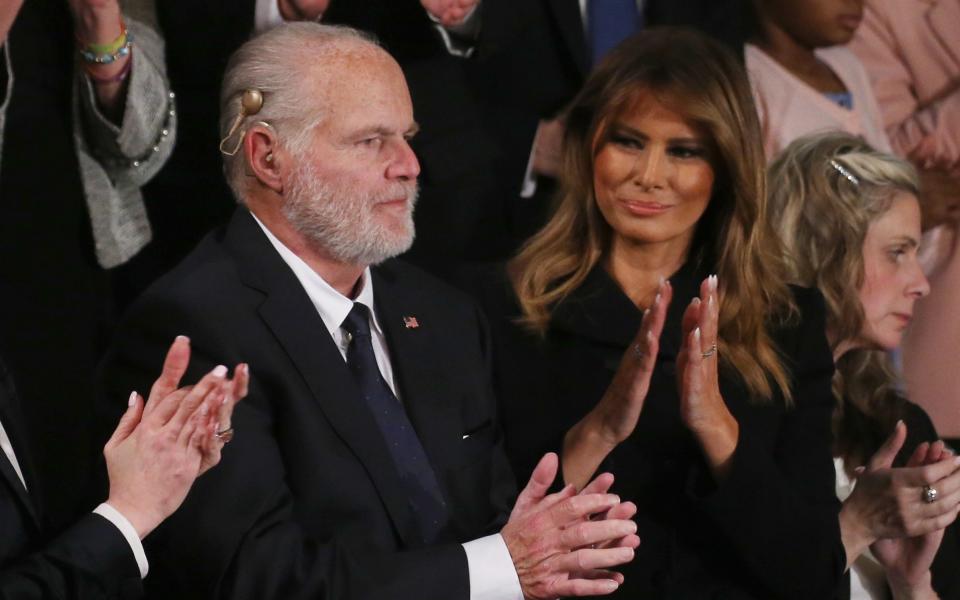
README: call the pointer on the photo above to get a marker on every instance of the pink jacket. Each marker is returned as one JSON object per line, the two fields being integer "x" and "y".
{"x": 911, "y": 49}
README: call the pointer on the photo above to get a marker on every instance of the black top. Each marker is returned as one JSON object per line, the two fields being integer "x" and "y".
{"x": 770, "y": 530}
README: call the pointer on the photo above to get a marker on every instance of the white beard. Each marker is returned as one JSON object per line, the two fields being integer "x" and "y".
{"x": 340, "y": 219}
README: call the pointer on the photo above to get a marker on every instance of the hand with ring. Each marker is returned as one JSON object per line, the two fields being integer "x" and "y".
{"x": 702, "y": 407}
{"x": 615, "y": 416}
{"x": 907, "y": 560}
{"x": 160, "y": 447}
{"x": 889, "y": 510}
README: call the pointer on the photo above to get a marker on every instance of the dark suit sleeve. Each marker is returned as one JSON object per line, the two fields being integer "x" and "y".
{"x": 238, "y": 534}
{"x": 90, "y": 560}
{"x": 778, "y": 510}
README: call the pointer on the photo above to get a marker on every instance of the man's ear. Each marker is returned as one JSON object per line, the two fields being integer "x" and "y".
{"x": 262, "y": 155}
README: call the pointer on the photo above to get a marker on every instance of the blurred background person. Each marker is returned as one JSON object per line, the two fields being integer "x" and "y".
{"x": 912, "y": 52}
{"x": 85, "y": 120}
{"x": 153, "y": 457}
{"x": 850, "y": 222}
{"x": 804, "y": 78}
{"x": 713, "y": 410}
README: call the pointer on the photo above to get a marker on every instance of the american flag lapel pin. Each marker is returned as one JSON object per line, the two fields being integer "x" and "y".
{"x": 410, "y": 322}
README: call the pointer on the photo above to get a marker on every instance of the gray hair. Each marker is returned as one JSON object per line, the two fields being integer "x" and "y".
{"x": 273, "y": 63}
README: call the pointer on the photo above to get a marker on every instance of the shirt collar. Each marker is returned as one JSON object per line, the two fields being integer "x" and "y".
{"x": 332, "y": 306}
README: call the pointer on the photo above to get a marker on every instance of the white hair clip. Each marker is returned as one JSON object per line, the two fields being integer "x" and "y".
{"x": 845, "y": 172}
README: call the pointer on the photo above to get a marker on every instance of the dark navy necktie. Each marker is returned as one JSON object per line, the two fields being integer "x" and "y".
{"x": 420, "y": 482}
{"x": 609, "y": 23}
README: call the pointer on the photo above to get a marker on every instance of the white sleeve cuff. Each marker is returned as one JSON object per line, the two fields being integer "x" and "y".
{"x": 492, "y": 574}
{"x": 129, "y": 533}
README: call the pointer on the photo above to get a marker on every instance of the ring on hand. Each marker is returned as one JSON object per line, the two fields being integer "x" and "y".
{"x": 710, "y": 351}
{"x": 929, "y": 494}
{"x": 638, "y": 352}
{"x": 224, "y": 436}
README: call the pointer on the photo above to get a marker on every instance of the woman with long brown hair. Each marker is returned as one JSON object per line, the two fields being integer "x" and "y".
{"x": 652, "y": 332}
{"x": 850, "y": 222}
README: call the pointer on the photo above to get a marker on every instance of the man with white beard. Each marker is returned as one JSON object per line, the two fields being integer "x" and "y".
{"x": 367, "y": 460}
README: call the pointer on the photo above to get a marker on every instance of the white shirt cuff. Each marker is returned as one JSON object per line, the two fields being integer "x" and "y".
{"x": 129, "y": 533}
{"x": 492, "y": 574}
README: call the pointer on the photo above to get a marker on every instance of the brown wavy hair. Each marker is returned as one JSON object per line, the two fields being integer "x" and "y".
{"x": 702, "y": 80}
{"x": 822, "y": 217}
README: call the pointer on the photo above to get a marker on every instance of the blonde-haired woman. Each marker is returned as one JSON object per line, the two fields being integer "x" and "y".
{"x": 713, "y": 410}
{"x": 850, "y": 222}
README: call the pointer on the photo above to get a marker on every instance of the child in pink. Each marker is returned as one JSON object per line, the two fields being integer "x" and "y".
{"x": 804, "y": 79}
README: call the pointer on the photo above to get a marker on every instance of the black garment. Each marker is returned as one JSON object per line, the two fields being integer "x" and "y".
{"x": 56, "y": 303}
{"x": 770, "y": 530}
{"x": 306, "y": 502}
{"x": 89, "y": 560}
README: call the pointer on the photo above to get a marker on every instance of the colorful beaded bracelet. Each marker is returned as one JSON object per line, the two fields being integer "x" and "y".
{"x": 104, "y": 54}
{"x": 120, "y": 76}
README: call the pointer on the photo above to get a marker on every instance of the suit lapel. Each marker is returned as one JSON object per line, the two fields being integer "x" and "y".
{"x": 422, "y": 381}
{"x": 11, "y": 419}
{"x": 293, "y": 319}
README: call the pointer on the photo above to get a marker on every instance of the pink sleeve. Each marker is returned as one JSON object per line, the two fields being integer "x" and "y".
{"x": 931, "y": 132}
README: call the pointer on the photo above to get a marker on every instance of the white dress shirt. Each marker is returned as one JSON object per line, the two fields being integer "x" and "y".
{"x": 104, "y": 510}
{"x": 868, "y": 579}
{"x": 490, "y": 567}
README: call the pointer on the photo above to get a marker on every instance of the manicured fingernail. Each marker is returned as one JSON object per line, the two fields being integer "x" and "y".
{"x": 899, "y": 423}
{"x": 695, "y": 302}
{"x": 656, "y": 300}
{"x": 224, "y": 399}
{"x": 183, "y": 338}
{"x": 609, "y": 586}
{"x": 696, "y": 334}
{"x": 649, "y": 337}
{"x": 219, "y": 371}
{"x": 132, "y": 399}
{"x": 646, "y": 312}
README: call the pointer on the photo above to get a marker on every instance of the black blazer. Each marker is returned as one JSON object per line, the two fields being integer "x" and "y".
{"x": 306, "y": 502}
{"x": 89, "y": 560}
{"x": 770, "y": 530}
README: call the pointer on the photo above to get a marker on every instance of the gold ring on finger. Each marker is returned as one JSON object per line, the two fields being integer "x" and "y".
{"x": 225, "y": 435}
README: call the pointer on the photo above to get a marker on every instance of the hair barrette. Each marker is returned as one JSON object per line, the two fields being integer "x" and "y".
{"x": 250, "y": 104}
{"x": 845, "y": 172}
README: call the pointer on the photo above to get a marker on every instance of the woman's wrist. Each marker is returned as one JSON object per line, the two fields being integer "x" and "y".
{"x": 585, "y": 446}
{"x": 854, "y": 531}
{"x": 922, "y": 589}
{"x": 718, "y": 437}
{"x": 97, "y": 23}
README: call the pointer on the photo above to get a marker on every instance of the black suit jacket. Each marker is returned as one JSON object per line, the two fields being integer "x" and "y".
{"x": 770, "y": 530}
{"x": 89, "y": 560}
{"x": 306, "y": 502}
